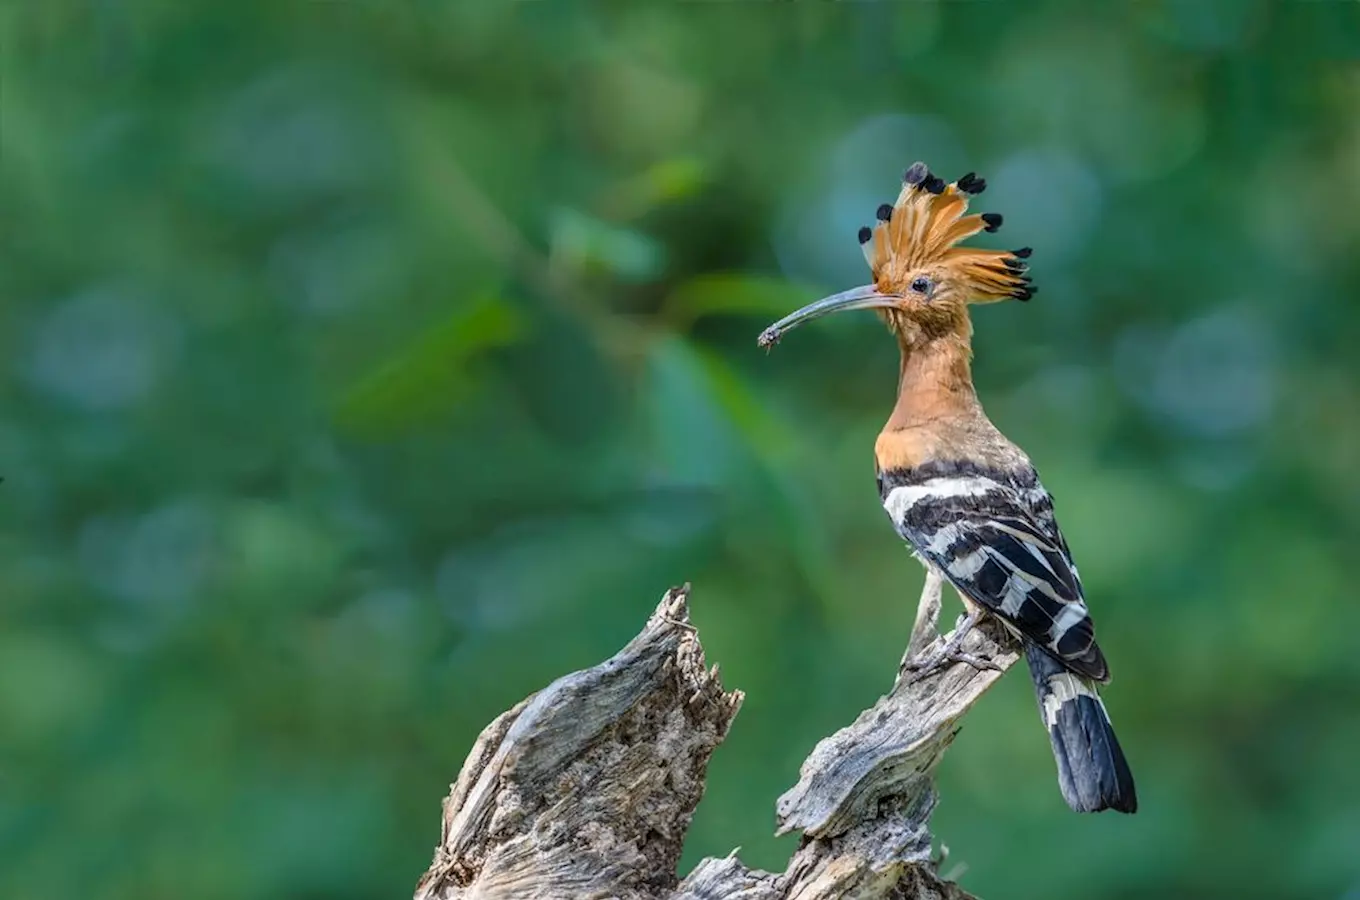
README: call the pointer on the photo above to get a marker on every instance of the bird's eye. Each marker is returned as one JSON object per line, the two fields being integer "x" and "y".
{"x": 921, "y": 285}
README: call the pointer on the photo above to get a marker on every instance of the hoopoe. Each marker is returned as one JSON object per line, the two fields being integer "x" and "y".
{"x": 966, "y": 499}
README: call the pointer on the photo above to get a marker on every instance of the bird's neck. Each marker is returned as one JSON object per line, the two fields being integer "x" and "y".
{"x": 935, "y": 385}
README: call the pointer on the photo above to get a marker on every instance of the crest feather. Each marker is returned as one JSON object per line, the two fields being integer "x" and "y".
{"x": 922, "y": 228}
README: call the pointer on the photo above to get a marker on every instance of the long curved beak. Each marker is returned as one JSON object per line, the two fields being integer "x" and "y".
{"x": 866, "y": 296}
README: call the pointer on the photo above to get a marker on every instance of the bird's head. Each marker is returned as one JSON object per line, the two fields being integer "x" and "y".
{"x": 923, "y": 282}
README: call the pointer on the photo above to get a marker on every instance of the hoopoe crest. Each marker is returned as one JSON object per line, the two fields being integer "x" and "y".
{"x": 922, "y": 278}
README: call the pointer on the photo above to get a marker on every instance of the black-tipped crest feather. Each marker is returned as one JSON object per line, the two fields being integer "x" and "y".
{"x": 924, "y": 228}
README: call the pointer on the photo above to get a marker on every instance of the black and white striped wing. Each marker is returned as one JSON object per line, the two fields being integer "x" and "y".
{"x": 994, "y": 537}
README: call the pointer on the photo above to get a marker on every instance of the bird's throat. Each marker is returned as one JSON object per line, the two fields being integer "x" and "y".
{"x": 935, "y": 383}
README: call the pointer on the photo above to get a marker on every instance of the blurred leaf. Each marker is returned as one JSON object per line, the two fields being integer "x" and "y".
{"x": 279, "y": 554}
{"x": 588, "y": 244}
{"x": 46, "y": 686}
{"x": 693, "y": 441}
{"x": 664, "y": 182}
{"x": 567, "y": 386}
{"x": 433, "y": 374}
{"x": 752, "y": 417}
{"x": 771, "y": 441}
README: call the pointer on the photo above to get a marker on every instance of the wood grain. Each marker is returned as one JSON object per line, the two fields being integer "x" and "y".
{"x": 586, "y": 789}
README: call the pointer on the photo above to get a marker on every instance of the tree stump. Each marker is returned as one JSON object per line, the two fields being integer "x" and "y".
{"x": 587, "y": 788}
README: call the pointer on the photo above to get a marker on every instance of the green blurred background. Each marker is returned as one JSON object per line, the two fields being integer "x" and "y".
{"x": 367, "y": 366}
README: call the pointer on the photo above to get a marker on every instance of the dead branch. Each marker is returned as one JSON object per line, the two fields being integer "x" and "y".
{"x": 586, "y": 789}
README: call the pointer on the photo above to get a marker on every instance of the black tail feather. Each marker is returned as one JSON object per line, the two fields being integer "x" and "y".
{"x": 1092, "y": 771}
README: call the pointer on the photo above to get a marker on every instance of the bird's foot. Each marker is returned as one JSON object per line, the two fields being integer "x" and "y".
{"x": 922, "y": 669}
{"x": 927, "y": 664}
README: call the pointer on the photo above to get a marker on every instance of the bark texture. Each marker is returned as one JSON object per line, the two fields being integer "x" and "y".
{"x": 586, "y": 789}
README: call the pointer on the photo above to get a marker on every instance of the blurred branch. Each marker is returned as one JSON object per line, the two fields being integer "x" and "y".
{"x": 586, "y": 789}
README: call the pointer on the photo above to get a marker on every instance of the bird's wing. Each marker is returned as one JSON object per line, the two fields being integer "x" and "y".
{"x": 993, "y": 535}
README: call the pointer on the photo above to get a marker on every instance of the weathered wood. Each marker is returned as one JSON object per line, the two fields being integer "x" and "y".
{"x": 586, "y": 789}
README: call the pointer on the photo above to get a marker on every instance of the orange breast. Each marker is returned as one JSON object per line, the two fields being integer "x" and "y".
{"x": 904, "y": 449}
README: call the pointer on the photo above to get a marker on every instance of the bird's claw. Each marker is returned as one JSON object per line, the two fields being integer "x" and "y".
{"x": 923, "y": 667}
{"x": 927, "y": 664}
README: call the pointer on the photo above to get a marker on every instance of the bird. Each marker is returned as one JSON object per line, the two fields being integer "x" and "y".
{"x": 966, "y": 499}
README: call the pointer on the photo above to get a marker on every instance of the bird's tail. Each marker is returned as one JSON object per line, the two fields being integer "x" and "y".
{"x": 1091, "y": 767}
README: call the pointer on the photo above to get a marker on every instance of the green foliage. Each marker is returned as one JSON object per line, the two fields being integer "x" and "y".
{"x": 367, "y": 366}
{"x": 432, "y": 374}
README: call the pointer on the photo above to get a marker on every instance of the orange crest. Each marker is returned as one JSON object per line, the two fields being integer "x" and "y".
{"x": 921, "y": 229}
